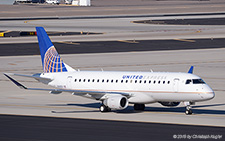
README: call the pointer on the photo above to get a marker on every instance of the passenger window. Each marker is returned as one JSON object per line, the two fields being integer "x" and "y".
{"x": 102, "y": 80}
{"x": 149, "y": 81}
{"x": 168, "y": 82}
{"x": 107, "y": 80}
{"x": 130, "y": 81}
{"x": 111, "y": 81}
{"x": 75, "y": 80}
{"x": 154, "y": 82}
{"x": 121, "y": 81}
{"x": 88, "y": 80}
{"x": 84, "y": 80}
{"x": 79, "y": 80}
{"x": 158, "y": 82}
{"x": 98, "y": 80}
{"x": 135, "y": 81}
{"x": 164, "y": 82}
{"x": 93, "y": 80}
{"x": 140, "y": 81}
{"x": 145, "y": 81}
{"x": 116, "y": 81}
{"x": 126, "y": 81}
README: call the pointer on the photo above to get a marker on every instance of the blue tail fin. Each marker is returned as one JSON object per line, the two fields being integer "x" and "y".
{"x": 191, "y": 69}
{"x": 51, "y": 60}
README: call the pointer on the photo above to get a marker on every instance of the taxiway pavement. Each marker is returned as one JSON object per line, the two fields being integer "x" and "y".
{"x": 43, "y": 128}
{"x": 209, "y": 64}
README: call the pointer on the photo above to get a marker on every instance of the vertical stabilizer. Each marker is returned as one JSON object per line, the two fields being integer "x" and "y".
{"x": 191, "y": 69}
{"x": 51, "y": 60}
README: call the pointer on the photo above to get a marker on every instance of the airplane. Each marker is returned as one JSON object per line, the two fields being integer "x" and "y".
{"x": 116, "y": 89}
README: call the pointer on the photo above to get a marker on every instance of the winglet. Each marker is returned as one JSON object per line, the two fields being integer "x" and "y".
{"x": 15, "y": 82}
{"x": 191, "y": 69}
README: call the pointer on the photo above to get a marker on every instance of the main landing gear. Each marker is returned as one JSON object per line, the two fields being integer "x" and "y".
{"x": 104, "y": 108}
{"x": 139, "y": 107}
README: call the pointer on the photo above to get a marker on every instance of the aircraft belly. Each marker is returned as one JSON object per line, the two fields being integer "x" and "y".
{"x": 141, "y": 98}
{"x": 177, "y": 96}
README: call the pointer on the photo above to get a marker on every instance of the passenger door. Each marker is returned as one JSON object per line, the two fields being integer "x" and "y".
{"x": 176, "y": 84}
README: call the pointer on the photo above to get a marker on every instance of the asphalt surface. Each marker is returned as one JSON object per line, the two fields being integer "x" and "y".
{"x": 203, "y": 21}
{"x": 115, "y": 7}
{"x": 112, "y": 46}
{"x": 111, "y": 16}
{"x": 45, "y": 128}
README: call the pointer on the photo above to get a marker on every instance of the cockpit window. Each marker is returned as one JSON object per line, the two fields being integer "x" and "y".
{"x": 188, "y": 81}
{"x": 194, "y": 81}
{"x": 198, "y": 81}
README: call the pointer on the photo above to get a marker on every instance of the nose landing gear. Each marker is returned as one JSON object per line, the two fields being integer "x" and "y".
{"x": 188, "y": 110}
{"x": 188, "y": 107}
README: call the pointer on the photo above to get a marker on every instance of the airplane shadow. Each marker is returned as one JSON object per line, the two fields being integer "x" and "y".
{"x": 130, "y": 110}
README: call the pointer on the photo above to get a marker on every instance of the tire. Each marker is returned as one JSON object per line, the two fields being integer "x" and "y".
{"x": 188, "y": 112}
{"x": 104, "y": 108}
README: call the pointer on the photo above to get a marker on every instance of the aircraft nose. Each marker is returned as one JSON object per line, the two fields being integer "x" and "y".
{"x": 209, "y": 94}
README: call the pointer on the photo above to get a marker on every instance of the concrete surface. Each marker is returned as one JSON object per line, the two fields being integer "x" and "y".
{"x": 209, "y": 65}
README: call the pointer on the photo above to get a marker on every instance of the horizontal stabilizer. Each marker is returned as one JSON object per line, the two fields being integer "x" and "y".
{"x": 15, "y": 82}
{"x": 35, "y": 76}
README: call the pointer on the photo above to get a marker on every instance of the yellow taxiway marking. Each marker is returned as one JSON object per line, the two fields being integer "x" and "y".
{"x": 63, "y": 42}
{"x": 3, "y": 33}
{"x": 28, "y": 22}
{"x": 6, "y": 31}
{"x": 185, "y": 40}
{"x": 128, "y": 41}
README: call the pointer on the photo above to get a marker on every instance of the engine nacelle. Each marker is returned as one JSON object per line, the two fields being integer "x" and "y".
{"x": 116, "y": 102}
{"x": 170, "y": 104}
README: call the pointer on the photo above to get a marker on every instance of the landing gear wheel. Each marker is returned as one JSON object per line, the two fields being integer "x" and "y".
{"x": 104, "y": 108}
{"x": 139, "y": 107}
{"x": 188, "y": 110}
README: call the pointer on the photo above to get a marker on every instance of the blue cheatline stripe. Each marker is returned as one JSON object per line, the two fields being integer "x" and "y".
{"x": 51, "y": 60}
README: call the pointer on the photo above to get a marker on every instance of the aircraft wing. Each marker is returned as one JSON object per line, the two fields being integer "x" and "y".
{"x": 74, "y": 92}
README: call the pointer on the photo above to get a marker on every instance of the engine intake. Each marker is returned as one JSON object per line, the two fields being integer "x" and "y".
{"x": 116, "y": 102}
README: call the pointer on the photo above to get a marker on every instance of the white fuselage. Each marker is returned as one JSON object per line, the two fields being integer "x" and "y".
{"x": 144, "y": 87}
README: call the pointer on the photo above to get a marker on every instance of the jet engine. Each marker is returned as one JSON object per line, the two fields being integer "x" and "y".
{"x": 116, "y": 102}
{"x": 170, "y": 104}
